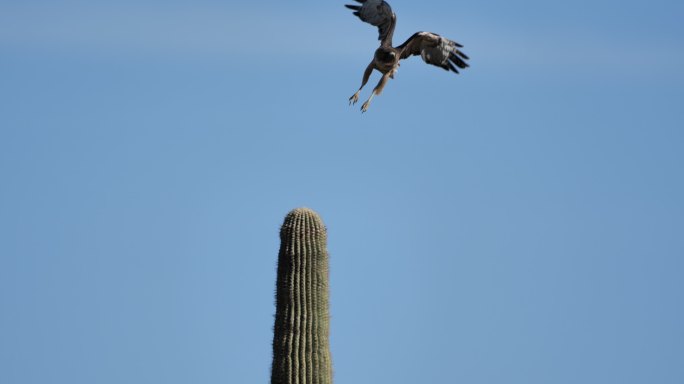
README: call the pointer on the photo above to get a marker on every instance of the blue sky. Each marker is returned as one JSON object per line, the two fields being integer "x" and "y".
{"x": 521, "y": 222}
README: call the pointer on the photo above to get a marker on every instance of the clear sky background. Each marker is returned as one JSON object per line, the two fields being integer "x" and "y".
{"x": 520, "y": 223}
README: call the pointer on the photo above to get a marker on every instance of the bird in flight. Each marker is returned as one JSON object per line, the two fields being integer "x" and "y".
{"x": 433, "y": 48}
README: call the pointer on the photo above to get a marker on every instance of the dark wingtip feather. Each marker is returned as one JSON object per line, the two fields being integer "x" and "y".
{"x": 458, "y": 61}
{"x": 451, "y": 66}
{"x": 354, "y": 7}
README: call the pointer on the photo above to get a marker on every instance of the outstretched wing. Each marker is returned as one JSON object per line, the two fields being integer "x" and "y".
{"x": 379, "y": 14}
{"x": 435, "y": 50}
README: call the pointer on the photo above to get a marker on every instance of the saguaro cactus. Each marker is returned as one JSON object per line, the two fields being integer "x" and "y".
{"x": 301, "y": 351}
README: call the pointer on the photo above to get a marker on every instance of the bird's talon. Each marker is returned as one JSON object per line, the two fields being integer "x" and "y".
{"x": 365, "y": 106}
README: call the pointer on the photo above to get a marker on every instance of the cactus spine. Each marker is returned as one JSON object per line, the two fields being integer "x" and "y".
{"x": 301, "y": 351}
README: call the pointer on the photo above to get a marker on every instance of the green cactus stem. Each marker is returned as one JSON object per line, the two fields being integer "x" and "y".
{"x": 301, "y": 350}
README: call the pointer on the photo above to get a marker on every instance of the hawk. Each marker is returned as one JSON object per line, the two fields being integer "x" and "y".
{"x": 433, "y": 48}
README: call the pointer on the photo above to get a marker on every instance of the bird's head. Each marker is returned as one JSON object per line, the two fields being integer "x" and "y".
{"x": 386, "y": 55}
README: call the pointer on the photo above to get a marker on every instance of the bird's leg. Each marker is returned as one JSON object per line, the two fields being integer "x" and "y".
{"x": 377, "y": 90}
{"x": 394, "y": 71}
{"x": 366, "y": 76}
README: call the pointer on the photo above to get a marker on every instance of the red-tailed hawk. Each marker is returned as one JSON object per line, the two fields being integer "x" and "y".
{"x": 433, "y": 48}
